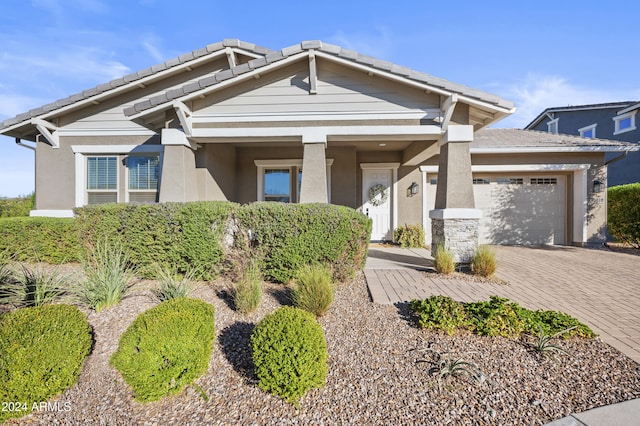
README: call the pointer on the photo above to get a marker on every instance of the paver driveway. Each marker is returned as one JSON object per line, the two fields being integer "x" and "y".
{"x": 599, "y": 287}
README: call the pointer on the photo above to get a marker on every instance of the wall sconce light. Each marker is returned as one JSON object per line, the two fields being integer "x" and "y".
{"x": 598, "y": 186}
{"x": 412, "y": 190}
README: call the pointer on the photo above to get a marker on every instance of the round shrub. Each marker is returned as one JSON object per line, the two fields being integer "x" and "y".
{"x": 42, "y": 351}
{"x": 290, "y": 353}
{"x": 166, "y": 348}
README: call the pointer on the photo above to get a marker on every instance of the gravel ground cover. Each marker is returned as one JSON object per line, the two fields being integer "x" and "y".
{"x": 374, "y": 376}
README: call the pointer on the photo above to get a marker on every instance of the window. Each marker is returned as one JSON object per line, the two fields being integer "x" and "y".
{"x": 552, "y": 126}
{"x": 544, "y": 181}
{"x": 481, "y": 181}
{"x": 510, "y": 181}
{"x": 588, "y": 131}
{"x": 143, "y": 178}
{"x": 625, "y": 122}
{"x": 433, "y": 181}
{"x": 102, "y": 180}
{"x": 277, "y": 185}
{"x": 281, "y": 180}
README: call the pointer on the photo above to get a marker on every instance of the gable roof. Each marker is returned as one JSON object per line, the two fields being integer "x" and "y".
{"x": 518, "y": 140}
{"x": 264, "y": 59}
{"x": 147, "y": 74}
{"x": 609, "y": 105}
{"x": 207, "y": 84}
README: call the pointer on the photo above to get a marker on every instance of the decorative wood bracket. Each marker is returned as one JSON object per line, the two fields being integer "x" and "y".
{"x": 448, "y": 107}
{"x": 313, "y": 74}
{"x": 184, "y": 115}
{"x": 48, "y": 130}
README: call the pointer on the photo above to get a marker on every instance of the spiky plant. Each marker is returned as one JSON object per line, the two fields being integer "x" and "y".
{"x": 108, "y": 276}
{"x": 173, "y": 285}
{"x": 32, "y": 287}
{"x": 543, "y": 345}
{"x": 247, "y": 291}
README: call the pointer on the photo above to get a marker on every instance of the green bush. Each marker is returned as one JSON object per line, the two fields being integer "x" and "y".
{"x": 17, "y": 207}
{"x": 40, "y": 239}
{"x": 293, "y": 235}
{"x": 496, "y": 317}
{"x": 247, "y": 291}
{"x": 443, "y": 261}
{"x": 409, "y": 236}
{"x": 483, "y": 262}
{"x": 108, "y": 277}
{"x": 184, "y": 236}
{"x": 313, "y": 289}
{"x": 439, "y": 313}
{"x": 290, "y": 353}
{"x": 166, "y": 348}
{"x": 623, "y": 214}
{"x": 42, "y": 351}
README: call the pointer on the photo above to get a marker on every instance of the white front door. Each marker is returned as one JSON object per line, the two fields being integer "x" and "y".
{"x": 378, "y": 182}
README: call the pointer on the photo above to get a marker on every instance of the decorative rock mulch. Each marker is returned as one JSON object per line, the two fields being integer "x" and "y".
{"x": 374, "y": 373}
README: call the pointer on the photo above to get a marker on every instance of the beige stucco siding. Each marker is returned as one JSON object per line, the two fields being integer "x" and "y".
{"x": 216, "y": 172}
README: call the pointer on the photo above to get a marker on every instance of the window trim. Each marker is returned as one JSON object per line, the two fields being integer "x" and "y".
{"x": 552, "y": 123}
{"x": 82, "y": 151}
{"x": 586, "y": 129}
{"x": 88, "y": 191}
{"x": 617, "y": 119}
{"x": 286, "y": 163}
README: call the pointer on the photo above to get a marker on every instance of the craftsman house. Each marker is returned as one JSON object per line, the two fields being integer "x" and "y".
{"x": 318, "y": 123}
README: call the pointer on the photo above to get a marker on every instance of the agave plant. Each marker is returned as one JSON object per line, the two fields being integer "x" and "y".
{"x": 544, "y": 346}
{"x": 450, "y": 366}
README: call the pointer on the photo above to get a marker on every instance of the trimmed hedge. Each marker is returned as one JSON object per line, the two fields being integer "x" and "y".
{"x": 166, "y": 348}
{"x": 17, "y": 207}
{"x": 293, "y": 235}
{"x": 42, "y": 351}
{"x": 40, "y": 239}
{"x": 181, "y": 236}
{"x": 624, "y": 213}
{"x": 201, "y": 236}
{"x": 290, "y": 353}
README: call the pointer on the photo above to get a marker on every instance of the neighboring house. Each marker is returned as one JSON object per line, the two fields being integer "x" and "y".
{"x": 616, "y": 120}
{"x": 317, "y": 123}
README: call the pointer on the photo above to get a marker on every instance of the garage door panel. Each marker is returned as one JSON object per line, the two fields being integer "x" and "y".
{"x": 517, "y": 211}
{"x": 522, "y": 213}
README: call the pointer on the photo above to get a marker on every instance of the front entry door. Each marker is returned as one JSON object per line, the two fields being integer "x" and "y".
{"x": 376, "y": 184}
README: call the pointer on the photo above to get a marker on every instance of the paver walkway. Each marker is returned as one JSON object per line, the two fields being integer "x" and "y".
{"x": 599, "y": 287}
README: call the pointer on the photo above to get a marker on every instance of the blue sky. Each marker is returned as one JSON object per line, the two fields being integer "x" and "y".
{"x": 535, "y": 53}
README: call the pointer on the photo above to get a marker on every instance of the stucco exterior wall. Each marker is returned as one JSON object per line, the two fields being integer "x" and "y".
{"x": 55, "y": 169}
{"x": 216, "y": 172}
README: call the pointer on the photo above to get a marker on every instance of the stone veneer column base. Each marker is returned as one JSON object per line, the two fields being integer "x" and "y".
{"x": 457, "y": 230}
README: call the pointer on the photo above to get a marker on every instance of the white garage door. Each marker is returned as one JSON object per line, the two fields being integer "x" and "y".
{"x": 518, "y": 209}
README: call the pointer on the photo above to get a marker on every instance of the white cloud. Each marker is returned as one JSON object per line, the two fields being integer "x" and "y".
{"x": 150, "y": 43}
{"x": 378, "y": 44}
{"x": 12, "y": 105}
{"x": 534, "y": 93}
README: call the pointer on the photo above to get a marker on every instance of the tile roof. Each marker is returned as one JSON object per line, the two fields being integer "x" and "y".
{"x": 607, "y": 105}
{"x": 517, "y": 138}
{"x": 118, "y": 82}
{"x": 331, "y": 49}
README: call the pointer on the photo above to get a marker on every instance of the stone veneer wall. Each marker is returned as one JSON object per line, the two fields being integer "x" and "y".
{"x": 460, "y": 236}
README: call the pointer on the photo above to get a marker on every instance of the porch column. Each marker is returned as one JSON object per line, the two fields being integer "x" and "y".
{"x": 455, "y": 220}
{"x": 313, "y": 188}
{"x": 178, "y": 180}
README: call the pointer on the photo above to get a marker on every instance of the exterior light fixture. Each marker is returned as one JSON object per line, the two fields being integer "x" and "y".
{"x": 413, "y": 189}
{"x": 598, "y": 186}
